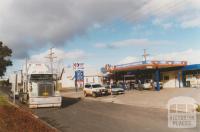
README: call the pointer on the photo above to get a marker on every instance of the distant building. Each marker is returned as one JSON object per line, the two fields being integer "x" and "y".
{"x": 91, "y": 74}
{"x": 191, "y": 76}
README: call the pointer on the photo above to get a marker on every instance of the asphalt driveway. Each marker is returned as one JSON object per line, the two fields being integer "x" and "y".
{"x": 79, "y": 115}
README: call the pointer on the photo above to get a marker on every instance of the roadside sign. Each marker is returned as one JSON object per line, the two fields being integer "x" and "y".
{"x": 78, "y": 66}
{"x": 79, "y": 75}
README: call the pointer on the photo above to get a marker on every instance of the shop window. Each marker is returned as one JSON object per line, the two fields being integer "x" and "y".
{"x": 166, "y": 78}
{"x": 161, "y": 77}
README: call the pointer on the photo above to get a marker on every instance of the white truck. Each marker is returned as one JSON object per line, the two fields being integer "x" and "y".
{"x": 35, "y": 85}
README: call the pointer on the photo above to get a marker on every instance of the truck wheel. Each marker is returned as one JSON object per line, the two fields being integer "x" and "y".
{"x": 85, "y": 94}
{"x": 20, "y": 99}
{"x": 94, "y": 94}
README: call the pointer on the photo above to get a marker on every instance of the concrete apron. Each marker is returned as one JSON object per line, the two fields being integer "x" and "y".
{"x": 151, "y": 99}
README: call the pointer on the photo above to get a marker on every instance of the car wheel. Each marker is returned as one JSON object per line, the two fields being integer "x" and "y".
{"x": 85, "y": 94}
{"x": 94, "y": 94}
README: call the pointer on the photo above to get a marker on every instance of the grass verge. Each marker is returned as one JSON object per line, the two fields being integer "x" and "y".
{"x": 3, "y": 100}
{"x": 13, "y": 119}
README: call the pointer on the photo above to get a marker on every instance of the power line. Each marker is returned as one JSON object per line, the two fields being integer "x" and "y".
{"x": 138, "y": 16}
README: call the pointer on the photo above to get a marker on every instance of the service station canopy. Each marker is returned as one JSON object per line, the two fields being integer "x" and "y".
{"x": 143, "y": 65}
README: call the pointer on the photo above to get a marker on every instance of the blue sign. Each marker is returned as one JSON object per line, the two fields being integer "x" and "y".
{"x": 79, "y": 75}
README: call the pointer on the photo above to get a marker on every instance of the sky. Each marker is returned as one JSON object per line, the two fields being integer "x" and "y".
{"x": 99, "y": 32}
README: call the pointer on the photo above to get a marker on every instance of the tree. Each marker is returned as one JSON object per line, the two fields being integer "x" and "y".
{"x": 5, "y": 54}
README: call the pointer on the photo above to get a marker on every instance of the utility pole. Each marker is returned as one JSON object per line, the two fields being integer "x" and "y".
{"x": 51, "y": 57}
{"x": 145, "y": 56}
{"x": 26, "y": 82}
{"x": 15, "y": 88}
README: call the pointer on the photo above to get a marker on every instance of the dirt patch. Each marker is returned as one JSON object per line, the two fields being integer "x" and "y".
{"x": 14, "y": 119}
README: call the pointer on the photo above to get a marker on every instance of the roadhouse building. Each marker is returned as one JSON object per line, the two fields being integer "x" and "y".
{"x": 172, "y": 74}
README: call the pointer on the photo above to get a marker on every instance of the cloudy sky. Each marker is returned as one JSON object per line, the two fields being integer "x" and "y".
{"x": 97, "y": 32}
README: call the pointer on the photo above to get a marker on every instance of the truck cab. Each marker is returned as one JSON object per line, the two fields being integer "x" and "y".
{"x": 42, "y": 91}
{"x": 38, "y": 87}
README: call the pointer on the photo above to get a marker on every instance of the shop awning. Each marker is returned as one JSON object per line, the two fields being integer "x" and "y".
{"x": 191, "y": 67}
{"x": 146, "y": 65}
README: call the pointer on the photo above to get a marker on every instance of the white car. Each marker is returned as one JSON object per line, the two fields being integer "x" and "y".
{"x": 147, "y": 84}
{"x": 94, "y": 90}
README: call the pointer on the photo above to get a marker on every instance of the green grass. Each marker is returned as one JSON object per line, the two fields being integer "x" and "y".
{"x": 3, "y": 100}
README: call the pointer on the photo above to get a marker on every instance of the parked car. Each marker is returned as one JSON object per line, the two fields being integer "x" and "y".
{"x": 123, "y": 85}
{"x": 148, "y": 84}
{"x": 115, "y": 89}
{"x": 94, "y": 89}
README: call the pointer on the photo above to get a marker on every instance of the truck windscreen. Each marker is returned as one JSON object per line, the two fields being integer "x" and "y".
{"x": 39, "y": 77}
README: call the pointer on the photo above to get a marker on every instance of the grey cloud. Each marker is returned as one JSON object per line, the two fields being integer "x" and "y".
{"x": 26, "y": 25}
{"x": 50, "y": 21}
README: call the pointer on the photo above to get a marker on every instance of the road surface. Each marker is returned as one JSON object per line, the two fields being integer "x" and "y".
{"x": 82, "y": 115}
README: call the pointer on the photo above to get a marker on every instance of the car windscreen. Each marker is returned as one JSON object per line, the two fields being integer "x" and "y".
{"x": 96, "y": 86}
{"x": 87, "y": 86}
{"x": 116, "y": 86}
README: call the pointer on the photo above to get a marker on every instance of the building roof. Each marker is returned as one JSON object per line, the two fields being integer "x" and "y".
{"x": 191, "y": 67}
{"x": 145, "y": 65}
